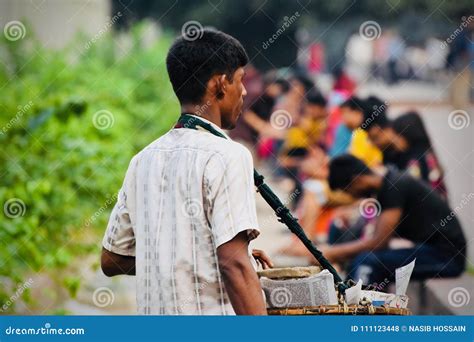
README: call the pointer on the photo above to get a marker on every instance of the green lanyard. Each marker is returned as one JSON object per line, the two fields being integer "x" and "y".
{"x": 281, "y": 211}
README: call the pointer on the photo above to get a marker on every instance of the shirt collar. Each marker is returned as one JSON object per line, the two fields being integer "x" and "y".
{"x": 217, "y": 128}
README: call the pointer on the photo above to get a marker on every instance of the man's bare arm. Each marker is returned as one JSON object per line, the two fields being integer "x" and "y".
{"x": 114, "y": 264}
{"x": 262, "y": 127}
{"x": 240, "y": 279}
{"x": 254, "y": 121}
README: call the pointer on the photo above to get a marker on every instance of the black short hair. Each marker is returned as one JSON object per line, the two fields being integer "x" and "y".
{"x": 307, "y": 82}
{"x": 375, "y": 113}
{"x": 354, "y": 103}
{"x": 284, "y": 84}
{"x": 271, "y": 77}
{"x": 316, "y": 98}
{"x": 343, "y": 169}
{"x": 192, "y": 61}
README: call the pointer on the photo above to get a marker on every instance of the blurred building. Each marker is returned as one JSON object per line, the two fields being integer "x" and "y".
{"x": 56, "y": 22}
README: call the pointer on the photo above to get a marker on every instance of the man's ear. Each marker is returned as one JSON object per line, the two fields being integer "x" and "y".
{"x": 221, "y": 81}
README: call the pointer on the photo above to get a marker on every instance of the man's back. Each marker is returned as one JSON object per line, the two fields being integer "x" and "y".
{"x": 185, "y": 194}
{"x": 426, "y": 217}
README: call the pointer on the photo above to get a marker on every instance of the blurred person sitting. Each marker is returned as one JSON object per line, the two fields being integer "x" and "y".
{"x": 284, "y": 114}
{"x": 254, "y": 84}
{"x": 407, "y": 148}
{"x": 352, "y": 111}
{"x": 316, "y": 208}
{"x": 308, "y": 132}
{"x": 259, "y": 112}
{"x": 348, "y": 224}
{"x": 406, "y": 145}
{"x": 293, "y": 101}
{"x": 342, "y": 89}
{"x": 352, "y": 115}
{"x": 405, "y": 207}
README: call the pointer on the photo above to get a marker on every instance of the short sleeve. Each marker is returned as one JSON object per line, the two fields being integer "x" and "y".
{"x": 230, "y": 194}
{"x": 119, "y": 236}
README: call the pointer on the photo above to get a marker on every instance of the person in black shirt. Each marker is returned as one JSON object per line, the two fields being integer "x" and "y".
{"x": 403, "y": 207}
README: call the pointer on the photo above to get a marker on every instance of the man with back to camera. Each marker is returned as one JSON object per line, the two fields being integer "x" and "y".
{"x": 186, "y": 211}
{"x": 409, "y": 209}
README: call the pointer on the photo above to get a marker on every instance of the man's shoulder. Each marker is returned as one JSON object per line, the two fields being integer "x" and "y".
{"x": 228, "y": 147}
{"x": 198, "y": 141}
{"x": 230, "y": 151}
{"x": 393, "y": 182}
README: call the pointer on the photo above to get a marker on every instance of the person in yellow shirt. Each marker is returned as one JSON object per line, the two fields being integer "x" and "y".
{"x": 310, "y": 128}
{"x": 353, "y": 117}
{"x": 302, "y": 136}
{"x": 362, "y": 148}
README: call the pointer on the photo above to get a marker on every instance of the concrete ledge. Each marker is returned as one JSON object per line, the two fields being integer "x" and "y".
{"x": 452, "y": 295}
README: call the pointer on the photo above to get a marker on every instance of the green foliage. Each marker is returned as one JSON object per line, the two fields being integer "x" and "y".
{"x": 58, "y": 164}
{"x": 72, "y": 284}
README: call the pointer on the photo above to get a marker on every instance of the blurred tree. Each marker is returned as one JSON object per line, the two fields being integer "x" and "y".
{"x": 70, "y": 121}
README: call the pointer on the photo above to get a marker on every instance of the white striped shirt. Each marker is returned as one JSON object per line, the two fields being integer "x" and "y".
{"x": 184, "y": 195}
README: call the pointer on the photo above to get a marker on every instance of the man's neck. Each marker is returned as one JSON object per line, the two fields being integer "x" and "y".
{"x": 204, "y": 111}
